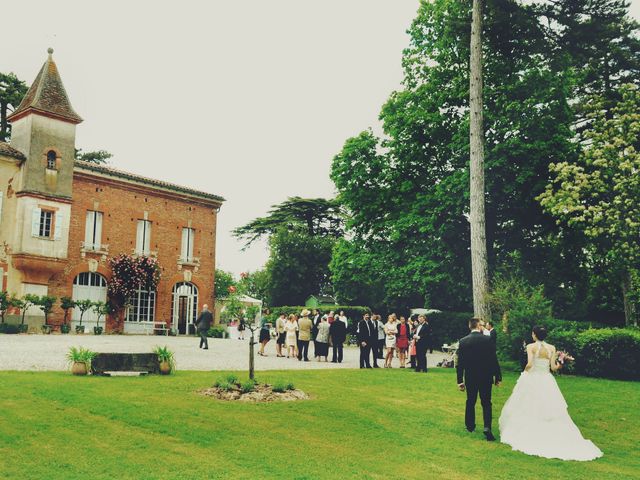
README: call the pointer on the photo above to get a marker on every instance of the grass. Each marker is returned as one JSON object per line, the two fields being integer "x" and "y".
{"x": 374, "y": 424}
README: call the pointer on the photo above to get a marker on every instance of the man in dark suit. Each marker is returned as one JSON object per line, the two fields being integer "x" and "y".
{"x": 365, "y": 334}
{"x": 422, "y": 338}
{"x": 203, "y": 323}
{"x": 493, "y": 335}
{"x": 478, "y": 370}
{"x": 338, "y": 334}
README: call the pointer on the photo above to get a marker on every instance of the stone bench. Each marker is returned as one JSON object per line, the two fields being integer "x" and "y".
{"x": 142, "y": 363}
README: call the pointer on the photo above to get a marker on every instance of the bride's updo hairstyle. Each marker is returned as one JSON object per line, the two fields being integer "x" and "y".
{"x": 541, "y": 332}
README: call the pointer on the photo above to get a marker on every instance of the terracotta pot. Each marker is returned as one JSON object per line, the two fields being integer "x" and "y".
{"x": 165, "y": 368}
{"x": 79, "y": 368}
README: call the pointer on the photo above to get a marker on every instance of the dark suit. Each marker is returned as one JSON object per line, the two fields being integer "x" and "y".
{"x": 338, "y": 334}
{"x": 203, "y": 323}
{"x": 422, "y": 344}
{"x": 365, "y": 335}
{"x": 478, "y": 368}
{"x": 493, "y": 335}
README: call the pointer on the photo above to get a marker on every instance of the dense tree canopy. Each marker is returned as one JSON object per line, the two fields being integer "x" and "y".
{"x": 12, "y": 90}
{"x": 407, "y": 193}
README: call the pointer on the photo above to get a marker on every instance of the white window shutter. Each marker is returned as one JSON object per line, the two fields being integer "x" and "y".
{"x": 184, "y": 253}
{"x": 88, "y": 230}
{"x": 59, "y": 225}
{"x": 97, "y": 241}
{"x": 192, "y": 234}
{"x": 147, "y": 238}
{"x": 140, "y": 237}
{"x": 35, "y": 222}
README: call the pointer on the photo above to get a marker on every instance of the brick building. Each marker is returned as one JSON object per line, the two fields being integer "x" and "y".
{"x": 61, "y": 219}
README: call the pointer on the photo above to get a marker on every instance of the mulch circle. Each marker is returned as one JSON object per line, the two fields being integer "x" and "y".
{"x": 261, "y": 393}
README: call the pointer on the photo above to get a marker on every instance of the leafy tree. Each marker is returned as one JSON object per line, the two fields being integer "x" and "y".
{"x": 5, "y": 304}
{"x": 46, "y": 303}
{"x": 600, "y": 193}
{"x": 83, "y": 306}
{"x": 297, "y": 266}
{"x": 66, "y": 303}
{"x": 101, "y": 309}
{"x": 315, "y": 216}
{"x": 99, "y": 157}
{"x": 221, "y": 283}
{"x": 25, "y": 303}
{"x": 12, "y": 91}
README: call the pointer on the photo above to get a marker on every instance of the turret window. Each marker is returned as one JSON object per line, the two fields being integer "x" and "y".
{"x": 51, "y": 160}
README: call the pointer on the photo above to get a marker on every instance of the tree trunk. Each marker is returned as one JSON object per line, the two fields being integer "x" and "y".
{"x": 251, "y": 358}
{"x": 629, "y": 310}
{"x": 479, "y": 267}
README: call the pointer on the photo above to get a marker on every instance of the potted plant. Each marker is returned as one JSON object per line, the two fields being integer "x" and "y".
{"x": 46, "y": 303}
{"x": 5, "y": 304}
{"x": 66, "y": 303}
{"x": 166, "y": 359}
{"x": 83, "y": 306}
{"x": 24, "y": 304}
{"x": 100, "y": 309}
{"x": 80, "y": 359}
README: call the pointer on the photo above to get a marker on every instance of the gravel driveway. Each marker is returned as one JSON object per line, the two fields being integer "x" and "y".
{"x": 47, "y": 352}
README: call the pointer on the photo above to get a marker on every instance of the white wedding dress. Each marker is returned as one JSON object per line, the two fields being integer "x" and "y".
{"x": 535, "y": 419}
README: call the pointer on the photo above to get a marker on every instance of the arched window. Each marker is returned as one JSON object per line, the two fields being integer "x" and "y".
{"x": 51, "y": 160}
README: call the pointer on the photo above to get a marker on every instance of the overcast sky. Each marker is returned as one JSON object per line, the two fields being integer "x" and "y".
{"x": 248, "y": 99}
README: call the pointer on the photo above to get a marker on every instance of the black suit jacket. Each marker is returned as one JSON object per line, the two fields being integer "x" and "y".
{"x": 477, "y": 360}
{"x": 204, "y": 321}
{"x": 423, "y": 332}
{"x": 365, "y": 332}
{"x": 493, "y": 335}
{"x": 338, "y": 332}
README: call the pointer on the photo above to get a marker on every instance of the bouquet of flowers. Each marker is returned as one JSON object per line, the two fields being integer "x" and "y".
{"x": 564, "y": 357}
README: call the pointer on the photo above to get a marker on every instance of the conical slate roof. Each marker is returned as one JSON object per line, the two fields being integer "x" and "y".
{"x": 47, "y": 96}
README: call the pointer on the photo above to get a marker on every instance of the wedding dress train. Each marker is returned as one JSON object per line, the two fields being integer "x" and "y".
{"x": 535, "y": 419}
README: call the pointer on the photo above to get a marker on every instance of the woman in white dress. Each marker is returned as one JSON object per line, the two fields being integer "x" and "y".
{"x": 390, "y": 330}
{"x": 291, "y": 327}
{"x": 535, "y": 419}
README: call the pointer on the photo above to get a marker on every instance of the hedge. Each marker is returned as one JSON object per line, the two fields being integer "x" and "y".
{"x": 608, "y": 352}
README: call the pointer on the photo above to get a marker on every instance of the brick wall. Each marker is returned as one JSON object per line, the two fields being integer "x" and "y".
{"x": 123, "y": 204}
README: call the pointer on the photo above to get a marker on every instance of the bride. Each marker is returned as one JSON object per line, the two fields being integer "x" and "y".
{"x": 535, "y": 419}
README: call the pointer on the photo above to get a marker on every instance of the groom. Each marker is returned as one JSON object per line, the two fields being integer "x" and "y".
{"x": 478, "y": 369}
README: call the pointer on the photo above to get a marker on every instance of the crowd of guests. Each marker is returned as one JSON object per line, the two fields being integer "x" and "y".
{"x": 294, "y": 333}
{"x": 407, "y": 339}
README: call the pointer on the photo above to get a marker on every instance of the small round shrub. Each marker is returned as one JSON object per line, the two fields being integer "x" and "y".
{"x": 231, "y": 378}
{"x": 279, "y": 387}
{"x": 290, "y": 386}
{"x": 248, "y": 386}
{"x": 225, "y": 386}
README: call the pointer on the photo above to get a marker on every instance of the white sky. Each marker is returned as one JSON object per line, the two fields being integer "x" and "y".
{"x": 248, "y": 99}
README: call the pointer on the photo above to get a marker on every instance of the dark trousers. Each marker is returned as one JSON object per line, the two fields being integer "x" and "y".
{"x": 337, "y": 353}
{"x": 380, "y": 349}
{"x": 303, "y": 349}
{"x": 364, "y": 356}
{"x": 484, "y": 389}
{"x": 203, "y": 339}
{"x": 421, "y": 358}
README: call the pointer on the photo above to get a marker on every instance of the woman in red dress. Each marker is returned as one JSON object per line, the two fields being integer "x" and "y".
{"x": 402, "y": 340}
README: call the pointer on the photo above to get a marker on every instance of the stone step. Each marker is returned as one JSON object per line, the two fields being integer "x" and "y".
{"x": 124, "y": 374}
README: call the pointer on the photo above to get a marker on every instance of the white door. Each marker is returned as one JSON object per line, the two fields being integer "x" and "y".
{"x": 88, "y": 286}
{"x": 185, "y": 306}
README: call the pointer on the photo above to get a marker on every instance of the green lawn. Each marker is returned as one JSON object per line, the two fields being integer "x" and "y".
{"x": 359, "y": 424}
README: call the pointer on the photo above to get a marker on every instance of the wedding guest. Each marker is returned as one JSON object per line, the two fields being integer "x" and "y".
{"x": 322, "y": 343}
{"x": 338, "y": 334}
{"x": 203, "y": 323}
{"x": 380, "y": 338}
{"x": 281, "y": 334}
{"x": 304, "y": 335}
{"x": 412, "y": 341}
{"x": 421, "y": 337}
{"x": 390, "y": 330}
{"x": 331, "y": 317}
{"x": 365, "y": 336}
{"x": 241, "y": 328}
{"x": 265, "y": 336}
{"x": 291, "y": 327}
{"x": 402, "y": 340}
{"x": 492, "y": 333}
{"x": 314, "y": 330}
{"x": 429, "y": 335}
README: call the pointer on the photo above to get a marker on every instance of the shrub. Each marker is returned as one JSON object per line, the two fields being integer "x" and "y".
{"x": 9, "y": 328}
{"x": 217, "y": 331}
{"x": 290, "y": 386}
{"x": 231, "y": 378}
{"x": 279, "y": 387}
{"x": 611, "y": 353}
{"x": 224, "y": 386}
{"x": 248, "y": 386}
